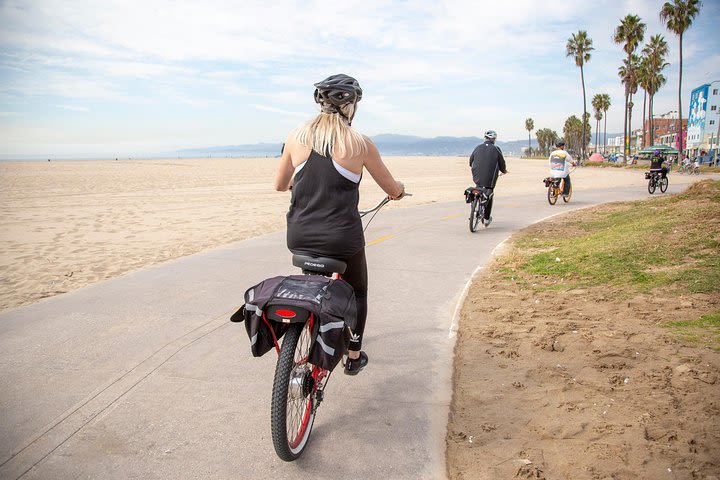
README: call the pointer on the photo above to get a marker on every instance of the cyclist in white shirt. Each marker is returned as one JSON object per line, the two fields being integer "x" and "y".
{"x": 560, "y": 163}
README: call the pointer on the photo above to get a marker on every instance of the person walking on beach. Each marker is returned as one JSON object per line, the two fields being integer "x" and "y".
{"x": 322, "y": 163}
{"x": 485, "y": 163}
{"x": 560, "y": 163}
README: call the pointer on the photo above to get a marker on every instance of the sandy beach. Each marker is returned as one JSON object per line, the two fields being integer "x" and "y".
{"x": 68, "y": 224}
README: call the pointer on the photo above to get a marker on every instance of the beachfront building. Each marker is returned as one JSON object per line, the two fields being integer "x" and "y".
{"x": 614, "y": 144}
{"x": 704, "y": 120}
{"x": 664, "y": 130}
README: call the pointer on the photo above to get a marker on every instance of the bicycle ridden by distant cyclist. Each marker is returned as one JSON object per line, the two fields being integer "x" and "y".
{"x": 558, "y": 183}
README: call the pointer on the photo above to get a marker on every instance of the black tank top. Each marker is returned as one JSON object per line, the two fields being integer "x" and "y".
{"x": 323, "y": 218}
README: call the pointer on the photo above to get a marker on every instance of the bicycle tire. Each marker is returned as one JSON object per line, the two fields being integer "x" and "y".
{"x": 566, "y": 198}
{"x": 552, "y": 195}
{"x": 663, "y": 184}
{"x": 651, "y": 185}
{"x": 474, "y": 214}
{"x": 292, "y": 411}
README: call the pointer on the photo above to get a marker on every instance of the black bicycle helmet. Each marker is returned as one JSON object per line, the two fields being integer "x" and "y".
{"x": 338, "y": 90}
{"x": 560, "y": 143}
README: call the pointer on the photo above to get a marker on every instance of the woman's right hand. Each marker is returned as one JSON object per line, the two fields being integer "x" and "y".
{"x": 401, "y": 187}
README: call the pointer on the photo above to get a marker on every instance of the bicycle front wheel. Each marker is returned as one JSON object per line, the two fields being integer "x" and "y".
{"x": 292, "y": 412}
{"x": 475, "y": 214}
{"x": 663, "y": 184}
{"x": 566, "y": 198}
{"x": 651, "y": 186}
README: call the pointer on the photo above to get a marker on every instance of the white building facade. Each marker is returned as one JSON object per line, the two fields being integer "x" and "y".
{"x": 704, "y": 119}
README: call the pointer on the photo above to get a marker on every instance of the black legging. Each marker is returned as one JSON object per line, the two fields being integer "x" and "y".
{"x": 356, "y": 275}
{"x": 567, "y": 185}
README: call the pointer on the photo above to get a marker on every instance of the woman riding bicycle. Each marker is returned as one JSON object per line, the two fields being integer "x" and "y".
{"x": 322, "y": 163}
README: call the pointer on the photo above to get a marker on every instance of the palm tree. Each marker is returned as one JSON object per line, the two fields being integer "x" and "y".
{"x": 629, "y": 76}
{"x": 597, "y": 106}
{"x": 629, "y": 33}
{"x": 529, "y": 125}
{"x": 678, "y": 17}
{"x": 605, "y": 107}
{"x": 572, "y": 131}
{"x": 655, "y": 52}
{"x": 579, "y": 47}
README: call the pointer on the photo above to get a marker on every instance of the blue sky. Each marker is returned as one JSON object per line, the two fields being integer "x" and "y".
{"x": 127, "y": 78}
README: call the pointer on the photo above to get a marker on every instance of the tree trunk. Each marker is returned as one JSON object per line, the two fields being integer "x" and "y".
{"x": 651, "y": 120}
{"x": 630, "y": 107}
{"x": 644, "y": 120}
{"x": 679, "y": 127}
{"x": 582, "y": 141}
{"x": 529, "y": 148}
{"x": 605, "y": 134}
{"x": 625, "y": 125}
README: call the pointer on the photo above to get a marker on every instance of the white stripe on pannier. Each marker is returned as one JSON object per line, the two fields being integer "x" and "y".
{"x": 331, "y": 326}
{"x": 328, "y": 350}
{"x": 253, "y": 340}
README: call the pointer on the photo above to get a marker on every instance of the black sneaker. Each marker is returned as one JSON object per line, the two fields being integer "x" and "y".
{"x": 353, "y": 367}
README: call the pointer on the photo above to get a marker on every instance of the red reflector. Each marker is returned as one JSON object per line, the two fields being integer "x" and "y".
{"x": 285, "y": 313}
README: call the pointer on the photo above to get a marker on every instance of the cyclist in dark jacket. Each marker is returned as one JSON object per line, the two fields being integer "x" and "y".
{"x": 485, "y": 162}
{"x": 656, "y": 163}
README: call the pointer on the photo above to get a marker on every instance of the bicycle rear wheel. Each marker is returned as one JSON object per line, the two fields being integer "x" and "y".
{"x": 475, "y": 214}
{"x": 295, "y": 394}
{"x": 651, "y": 185}
{"x": 663, "y": 184}
{"x": 552, "y": 194}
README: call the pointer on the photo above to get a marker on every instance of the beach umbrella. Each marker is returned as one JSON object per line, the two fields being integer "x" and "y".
{"x": 664, "y": 149}
{"x": 596, "y": 157}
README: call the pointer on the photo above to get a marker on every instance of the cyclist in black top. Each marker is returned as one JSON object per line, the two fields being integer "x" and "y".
{"x": 656, "y": 163}
{"x": 485, "y": 162}
{"x": 322, "y": 162}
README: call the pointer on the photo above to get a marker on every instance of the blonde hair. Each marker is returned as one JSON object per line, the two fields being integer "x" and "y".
{"x": 331, "y": 133}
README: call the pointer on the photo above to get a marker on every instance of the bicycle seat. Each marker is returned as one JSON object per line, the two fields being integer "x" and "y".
{"x": 321, "y": 265}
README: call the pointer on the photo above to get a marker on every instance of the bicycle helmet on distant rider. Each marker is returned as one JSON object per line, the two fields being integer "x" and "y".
{"x": 490, "y": 135}
{"x": 560, "y": 143}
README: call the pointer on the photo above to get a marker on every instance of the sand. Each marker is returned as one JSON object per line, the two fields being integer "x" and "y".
{"x": 69, "y": 224}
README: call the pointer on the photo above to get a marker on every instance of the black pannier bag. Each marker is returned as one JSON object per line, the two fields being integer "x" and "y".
{"x": 469, "y": 194}
{"x": 332, "y": 301}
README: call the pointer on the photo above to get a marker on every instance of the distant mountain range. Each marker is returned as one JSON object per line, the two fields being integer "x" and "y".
{"x": 388, "y": 144}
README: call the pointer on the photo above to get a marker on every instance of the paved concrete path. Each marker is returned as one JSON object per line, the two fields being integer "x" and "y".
{"x": 144, "y": 377}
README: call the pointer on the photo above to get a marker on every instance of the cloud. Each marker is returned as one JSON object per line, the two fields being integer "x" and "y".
{"x": 428, "y": 67}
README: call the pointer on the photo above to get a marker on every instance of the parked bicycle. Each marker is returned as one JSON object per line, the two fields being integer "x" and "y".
{"x": 656, "y": 180}
{"x": 309, "y": 349}
{"x": 689, "y": 168}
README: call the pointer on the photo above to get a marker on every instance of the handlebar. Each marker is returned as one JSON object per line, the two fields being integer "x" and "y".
{"x": 381, "y": 204}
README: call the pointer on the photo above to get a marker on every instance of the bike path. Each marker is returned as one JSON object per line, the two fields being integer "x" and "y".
{"x": 143, "y": 376}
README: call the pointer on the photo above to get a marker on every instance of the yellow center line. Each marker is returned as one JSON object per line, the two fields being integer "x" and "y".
{"x": 451, "y": 216}
{"x": 381, "y": 239}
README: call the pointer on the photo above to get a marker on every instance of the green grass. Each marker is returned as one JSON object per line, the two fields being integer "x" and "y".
{"x": 704, "y": 330}
{"x": 638, "y": 246}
